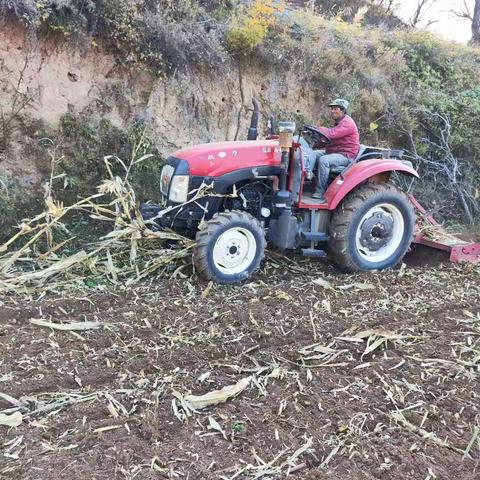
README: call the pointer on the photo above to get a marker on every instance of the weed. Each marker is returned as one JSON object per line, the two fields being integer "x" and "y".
{"x": 250, "y": 25}
{"x": 239, "y": 427}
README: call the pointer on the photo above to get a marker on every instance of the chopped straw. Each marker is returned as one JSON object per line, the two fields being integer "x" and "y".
{"x": 32, "y": 261}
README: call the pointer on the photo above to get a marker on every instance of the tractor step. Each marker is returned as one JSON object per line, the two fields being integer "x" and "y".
{"x": 315, "y": 236}
{"x": 313, "y": 252}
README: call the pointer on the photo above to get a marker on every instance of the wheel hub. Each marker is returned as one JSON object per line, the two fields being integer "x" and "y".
{"x": 376, "y": 231}
{"x": 234, "y": 250}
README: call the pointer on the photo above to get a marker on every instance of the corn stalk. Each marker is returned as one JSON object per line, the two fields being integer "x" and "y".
{"x": 31, "y": 260}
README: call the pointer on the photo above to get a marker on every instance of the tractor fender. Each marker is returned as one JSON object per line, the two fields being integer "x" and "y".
{"x": 377, "y": 170}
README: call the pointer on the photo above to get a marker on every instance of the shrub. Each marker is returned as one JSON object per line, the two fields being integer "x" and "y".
{"x": 377, "y": 16}
{"x": 163, "y": 35}
{"x": 184, "y": 36}
{"x": 84, "y": 144}
{"x": 344, "y": 9}
{"x": 15, "y": 203}
{"x": 22, "y": 9}
{"x": 250, "y": 25}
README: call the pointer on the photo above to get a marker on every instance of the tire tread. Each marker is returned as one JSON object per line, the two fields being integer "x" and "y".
{"x": 210, "y": 228}
{"x": 344, "y": 215}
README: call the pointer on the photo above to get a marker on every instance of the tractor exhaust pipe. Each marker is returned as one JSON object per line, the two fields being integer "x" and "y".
{"x": 253, "y": 130}
{"x": 271, "y": 126}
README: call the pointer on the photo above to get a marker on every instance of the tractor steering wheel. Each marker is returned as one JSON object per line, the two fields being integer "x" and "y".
{"x": 319, "y": 140}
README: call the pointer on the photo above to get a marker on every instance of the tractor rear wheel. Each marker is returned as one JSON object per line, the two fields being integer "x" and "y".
{"x": 372, "y": 229}
{"x": 230, "y": 247}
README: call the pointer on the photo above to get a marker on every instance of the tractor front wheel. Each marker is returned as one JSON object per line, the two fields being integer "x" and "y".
{"x": 372, "y": 229}
{"x": 230, "y": 247}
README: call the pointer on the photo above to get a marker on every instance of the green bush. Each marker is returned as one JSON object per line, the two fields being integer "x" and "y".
{"x": 84, "y": 144}
{"x": 78, "y": 146}
{"x": 15, "y": 204}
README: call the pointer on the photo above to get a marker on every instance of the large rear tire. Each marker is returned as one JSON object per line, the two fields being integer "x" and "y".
{"x": 372, "y": 229}
{"x": 230, "y": 247}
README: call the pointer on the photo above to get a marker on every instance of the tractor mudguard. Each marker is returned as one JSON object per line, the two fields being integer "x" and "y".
{"x": 361, "y": 172}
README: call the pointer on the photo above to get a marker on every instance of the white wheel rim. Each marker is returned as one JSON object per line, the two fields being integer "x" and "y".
{"x": 234, "y": 250}
{"x": 374, "y": 255}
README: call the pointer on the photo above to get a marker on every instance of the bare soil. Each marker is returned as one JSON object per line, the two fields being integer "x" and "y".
{"x": 399, "y": 401}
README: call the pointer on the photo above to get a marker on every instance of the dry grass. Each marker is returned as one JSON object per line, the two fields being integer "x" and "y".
{"x": 33, "y": 261}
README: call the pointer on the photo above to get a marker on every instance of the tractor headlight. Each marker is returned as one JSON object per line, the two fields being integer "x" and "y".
{"x": 165, "y": 178}
{"x": 179, "y": 189}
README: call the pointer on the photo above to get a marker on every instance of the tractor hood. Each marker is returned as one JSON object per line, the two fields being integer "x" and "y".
{"x": 216, "y": 159}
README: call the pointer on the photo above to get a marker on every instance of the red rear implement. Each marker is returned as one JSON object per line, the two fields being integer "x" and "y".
{"x": 430, "y": 233}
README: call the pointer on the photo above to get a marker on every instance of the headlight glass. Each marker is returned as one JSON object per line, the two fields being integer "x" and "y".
{"x": 165, "y": 177}
{"x": 179, "y": 189}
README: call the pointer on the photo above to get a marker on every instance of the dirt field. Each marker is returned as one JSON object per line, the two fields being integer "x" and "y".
{"x": 370, "y": 376}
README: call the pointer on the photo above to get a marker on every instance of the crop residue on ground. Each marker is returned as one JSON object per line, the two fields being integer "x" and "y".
{"x": 303, "y": 372}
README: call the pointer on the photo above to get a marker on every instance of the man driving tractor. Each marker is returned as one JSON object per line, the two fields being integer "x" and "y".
{"x": 341, "y": 150}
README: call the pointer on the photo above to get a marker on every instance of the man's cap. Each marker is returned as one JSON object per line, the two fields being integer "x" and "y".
{"x": 339, "y": 102}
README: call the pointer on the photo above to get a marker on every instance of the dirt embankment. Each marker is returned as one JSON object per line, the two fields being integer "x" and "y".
{"x": 41, "y": 80}
{"x": 364, "y": 376}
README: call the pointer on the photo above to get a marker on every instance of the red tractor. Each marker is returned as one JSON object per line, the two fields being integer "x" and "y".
{"x": 261, "y": 190}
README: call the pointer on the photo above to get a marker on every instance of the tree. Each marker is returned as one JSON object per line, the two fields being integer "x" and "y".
{"x": 476, "y": 23}
{"x": 474, "y": 17}
{"x": 420, "y": 10}
{"x": 382, "y": 14}
{"x": 390, "y": 6}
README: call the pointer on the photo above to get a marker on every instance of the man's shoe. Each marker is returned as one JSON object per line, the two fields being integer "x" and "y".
{"x": 320, "y": 197}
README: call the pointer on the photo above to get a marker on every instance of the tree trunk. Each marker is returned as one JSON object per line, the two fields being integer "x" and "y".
{"x": 476, "y": 23}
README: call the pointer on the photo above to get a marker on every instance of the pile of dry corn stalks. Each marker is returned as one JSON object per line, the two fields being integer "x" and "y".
{"x": 130, "y": 252}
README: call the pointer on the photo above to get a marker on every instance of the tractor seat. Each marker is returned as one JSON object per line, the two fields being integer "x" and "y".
{"x": 338, "y": 170}
{"x": 366, "y": 153}
{"x": 360, "y": 153}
